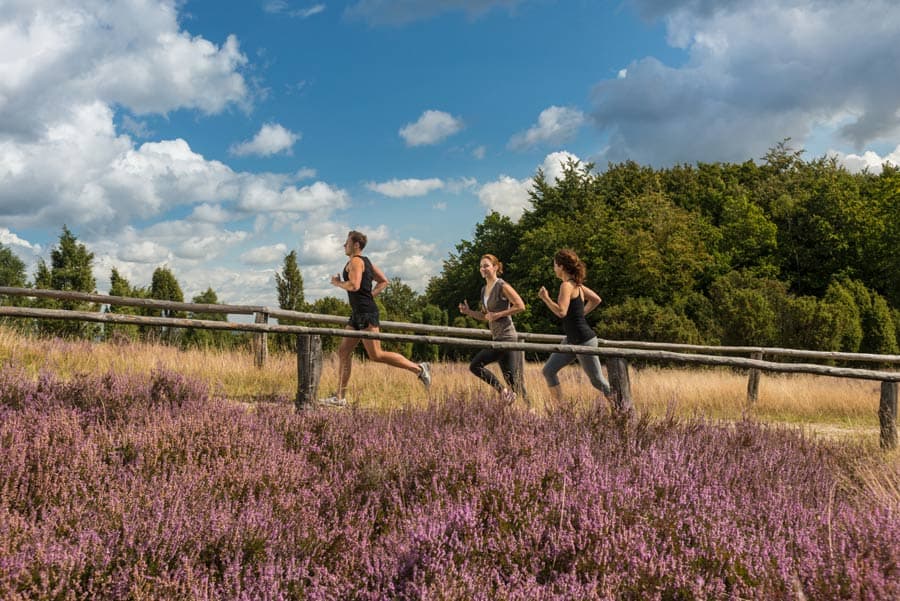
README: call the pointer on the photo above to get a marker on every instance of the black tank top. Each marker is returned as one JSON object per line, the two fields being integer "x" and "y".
{"x": 362, "y": 300}
{"x": 575, "y": 325}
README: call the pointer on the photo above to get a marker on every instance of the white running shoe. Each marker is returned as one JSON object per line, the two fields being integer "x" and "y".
{"x": 333, "y": 401}
{"x": 425, "y": 375}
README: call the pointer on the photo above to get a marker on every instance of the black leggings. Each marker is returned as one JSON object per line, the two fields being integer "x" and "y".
{"x": 509, "y": 367}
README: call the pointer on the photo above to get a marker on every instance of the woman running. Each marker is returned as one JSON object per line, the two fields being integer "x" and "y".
{"x": 499, "y": 302}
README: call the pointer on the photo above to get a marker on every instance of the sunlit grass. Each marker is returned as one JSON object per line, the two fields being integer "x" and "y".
{"x": 834, "y": 405}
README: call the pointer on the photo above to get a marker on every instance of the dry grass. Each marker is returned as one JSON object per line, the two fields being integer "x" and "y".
{"x": 837, "y": 404}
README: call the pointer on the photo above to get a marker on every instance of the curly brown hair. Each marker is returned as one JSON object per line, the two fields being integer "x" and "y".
{"x": 571, "y": 264}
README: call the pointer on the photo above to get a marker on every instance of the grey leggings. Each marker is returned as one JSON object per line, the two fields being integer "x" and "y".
{"x": 589, "y": 363}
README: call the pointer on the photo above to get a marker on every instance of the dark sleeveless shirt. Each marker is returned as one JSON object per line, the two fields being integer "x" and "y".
{"x": 575, "y": 325}
{"x": 362, "y": 300}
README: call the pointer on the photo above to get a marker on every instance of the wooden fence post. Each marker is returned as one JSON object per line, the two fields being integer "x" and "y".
{"x": 309, "y": 370}
{"x": 617, "y": 368}
{"x": 518, "y": 360}
{"x": 260, "y": 341}
{"x": 753, "y": 382}
{"x": 887, "y": 415}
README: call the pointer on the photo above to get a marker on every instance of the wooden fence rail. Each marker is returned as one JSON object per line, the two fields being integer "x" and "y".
{"x": 889, "y": 380}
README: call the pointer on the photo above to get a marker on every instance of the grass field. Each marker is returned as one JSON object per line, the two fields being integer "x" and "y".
{"x": 825, "y": 405}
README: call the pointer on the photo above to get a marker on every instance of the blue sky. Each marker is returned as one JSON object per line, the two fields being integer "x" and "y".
{"x": 216, "y": 137}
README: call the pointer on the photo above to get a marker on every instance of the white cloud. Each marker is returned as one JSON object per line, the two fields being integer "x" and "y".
{"x": 265, "y": 255}
{"x": 555, "y": 124}
{"x": 211, "y": 213}
{"x": 870, "y": 160}
{"x": 281, "y": 7}
{"x": 431, "y": 128}
{"x": 60, "y": 54}
{"x": 756, "y": 72}
{"x": 400, "y": 188}
{"x": 271, "y": 139}
{"x": 258, "y": 196}
{"x": 510, "y": 196}
{"x": 555, "y": 161}
{"x": 479, "y": 152}
{"x": 10, "y": 239}
{"x": 399, "y": 12}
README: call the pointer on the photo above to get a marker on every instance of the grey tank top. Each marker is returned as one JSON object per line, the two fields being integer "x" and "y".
{"x": 503, "y": 328}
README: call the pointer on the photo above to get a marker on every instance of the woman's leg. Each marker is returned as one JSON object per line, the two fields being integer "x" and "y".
{"x": 591, "y": 366}
{"x": 556, "y": 362}
{"x": 478, "y": 363}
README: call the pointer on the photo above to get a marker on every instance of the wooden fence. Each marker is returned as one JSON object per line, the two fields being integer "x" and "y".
{"x": 617, "y": 353}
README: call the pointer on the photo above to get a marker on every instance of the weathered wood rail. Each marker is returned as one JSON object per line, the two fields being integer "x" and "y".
{"x": 617, "y": 352}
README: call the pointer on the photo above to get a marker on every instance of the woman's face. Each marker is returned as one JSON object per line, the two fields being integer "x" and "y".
{"x": 559, "y": 271}
{"x": 487, "y": 269}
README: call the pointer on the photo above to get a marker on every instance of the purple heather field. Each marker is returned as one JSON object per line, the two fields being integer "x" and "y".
{"x": 152, "y": 488}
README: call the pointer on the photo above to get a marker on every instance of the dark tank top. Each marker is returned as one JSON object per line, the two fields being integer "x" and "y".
{"x": 575, "y": 325}
{"x": 362, "y": 301}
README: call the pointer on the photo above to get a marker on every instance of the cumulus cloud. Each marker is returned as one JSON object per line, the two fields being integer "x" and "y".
{"x": 399, "y": 12}
{"x": 868, "y": 160}
{"x": 319, "y": 196}
{"x": 555, "y": 125}
{"x": 271, "y": 139}
{"x": 265, "y": 255}
{"x": 431, "y": 128}
{"x": 511, "y": 197}
{"x": 400, "y": 188}
{"x": 756, "y": 72}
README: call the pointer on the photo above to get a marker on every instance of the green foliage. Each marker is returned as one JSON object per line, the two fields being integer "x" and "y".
{"x": 400, "y": 302}
{"x": 741, "y": 254}
{"x": 746, "y": 308}
{"x": 642, "y": 319}
{"x": 12, "y": 269}
{"x": 203, "y": 338}
{"x": 120, "y": 286}
{"x": 70, "y": 269}
{"x": 289, "y": 284}
{"x": 164, "y": 286}
{"x": 330, "y": 305}
{"x": 431, "y": 315}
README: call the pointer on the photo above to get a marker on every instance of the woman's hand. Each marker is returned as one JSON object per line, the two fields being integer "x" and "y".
{"x": 336, "y": 280}
{"x": 543, "y": 294}
{"x": 464, "y": 307}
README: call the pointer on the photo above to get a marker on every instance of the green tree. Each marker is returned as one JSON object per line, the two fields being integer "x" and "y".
{"x": 642, "y": 319}
{"x": 12, "y": 269}
{"x": 120, "y": 286}
{"x": 330, "y": 305}
{"x": 164, "y": 286}
{"x": 203, "y": 338}
{"x": 431, "y": 315}
{"x": 400, "y": 301}
{"x": 71, "y": 270}
{"x": 289, "y": 284}
{"x": 460, "y": 278}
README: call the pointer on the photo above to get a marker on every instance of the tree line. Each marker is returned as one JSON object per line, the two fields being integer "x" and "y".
{"x": 783, "y": 252}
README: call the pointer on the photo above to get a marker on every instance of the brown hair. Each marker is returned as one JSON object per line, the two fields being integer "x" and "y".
{"x": 494, "y": 261}
{"x": 571, "y": 264}
{"x": 358, "y": 238}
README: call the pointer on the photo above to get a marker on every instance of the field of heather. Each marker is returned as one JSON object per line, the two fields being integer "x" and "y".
{"x": 153, "y": 485}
